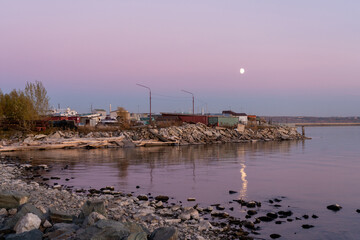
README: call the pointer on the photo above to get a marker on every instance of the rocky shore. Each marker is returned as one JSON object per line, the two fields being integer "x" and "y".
{"x": 32, "y": 211}
{"x": 143, "y": 137}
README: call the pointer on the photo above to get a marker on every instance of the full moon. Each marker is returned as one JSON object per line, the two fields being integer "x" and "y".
{"x": 242, "y": 71}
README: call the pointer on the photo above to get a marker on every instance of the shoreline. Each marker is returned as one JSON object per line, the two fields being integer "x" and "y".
{"x": 187, "y": 134}
{"x": 325, "y": 124}
{"x": 62, "y": 211}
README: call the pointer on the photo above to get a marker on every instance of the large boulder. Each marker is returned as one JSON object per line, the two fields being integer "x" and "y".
{"x": 93, "y": 206}
{"x": 27, "y": 223}
{"x": 24, "y": 209}
{"x": 29, "y": 235}
{"x": 61, "y": 231}
{"x": 164, "y": 233}
{"x": 104, "y": 230}
{"x": 137, "y": 236}
{"x": 93, "y": 218}
{"x": 12, "y": 199}
{"x": 60, "y": 216}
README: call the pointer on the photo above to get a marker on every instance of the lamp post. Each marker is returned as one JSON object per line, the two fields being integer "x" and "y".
{"x": 193, "y": 101}
{"x": 150, "y": 120}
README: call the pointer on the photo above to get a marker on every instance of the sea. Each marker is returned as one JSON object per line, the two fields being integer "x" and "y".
{"x": 304, "y": 176}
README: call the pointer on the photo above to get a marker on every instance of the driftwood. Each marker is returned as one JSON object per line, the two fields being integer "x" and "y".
{"x": 84, "y": 143}
{"x": 75, "y": 143}
{"x": 151, "y": 143}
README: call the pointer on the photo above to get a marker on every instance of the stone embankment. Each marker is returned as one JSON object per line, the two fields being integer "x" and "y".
{"x": 174, "y": 135}
{"x": 32, "y": 211}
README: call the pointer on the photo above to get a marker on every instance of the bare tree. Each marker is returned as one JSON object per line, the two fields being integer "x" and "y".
{"x": 37, "y": 93}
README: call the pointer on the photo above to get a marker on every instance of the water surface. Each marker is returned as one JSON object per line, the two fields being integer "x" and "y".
{"x": 309, "y": 175}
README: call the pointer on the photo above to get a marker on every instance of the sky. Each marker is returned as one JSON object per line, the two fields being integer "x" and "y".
{"x": 301, "y": 58}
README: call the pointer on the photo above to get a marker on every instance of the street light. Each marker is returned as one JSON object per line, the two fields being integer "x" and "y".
{"x": 193, "y": 101}
{"x": 150, "y": 120}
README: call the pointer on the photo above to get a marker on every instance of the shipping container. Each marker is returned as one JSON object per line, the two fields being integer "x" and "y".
{"x": 223, "y": 121}
{"x": 189, "y": 118}
{"x": 194, "y": 119}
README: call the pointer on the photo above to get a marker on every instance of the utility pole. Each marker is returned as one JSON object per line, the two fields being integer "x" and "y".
{"x": 193, "y": 101}
{"x": 150, "y": 120}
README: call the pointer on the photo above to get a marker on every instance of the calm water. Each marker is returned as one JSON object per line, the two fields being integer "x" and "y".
{"x": 310, "y": 175}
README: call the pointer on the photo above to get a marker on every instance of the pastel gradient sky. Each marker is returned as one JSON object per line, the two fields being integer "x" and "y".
{"x": 300, "y": 57}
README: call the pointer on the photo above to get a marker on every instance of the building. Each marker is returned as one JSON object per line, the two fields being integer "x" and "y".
{"x": 65, "y": 112}
{"x": 90, "y": 119}
{"x": 102, "y": 113}
{"x": 243, "y": 117}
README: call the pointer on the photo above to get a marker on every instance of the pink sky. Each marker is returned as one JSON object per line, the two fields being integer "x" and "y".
{"x": 300, "y": 58}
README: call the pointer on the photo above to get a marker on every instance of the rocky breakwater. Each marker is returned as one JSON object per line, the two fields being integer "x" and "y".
{"x": 32, "y": 211}
{"x": 174, "y": 135}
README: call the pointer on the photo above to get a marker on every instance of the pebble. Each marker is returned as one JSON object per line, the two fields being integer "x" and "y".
{"x": 3, "y": 212}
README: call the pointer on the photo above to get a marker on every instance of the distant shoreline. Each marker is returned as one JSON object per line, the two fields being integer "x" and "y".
{"x": 325, "y": 124}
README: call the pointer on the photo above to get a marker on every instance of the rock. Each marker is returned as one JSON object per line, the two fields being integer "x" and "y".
{"x": 251, "y": 204}
{"x": 40, "y": 136}
{"x": 305, "y": 216}
{"x": 93, "y": 206}
{"x": 143, "y": 198}
{"x": 27, "y": 223}
{"x": 60, "y": 216}
{"x": 164, "y": 233}
{"x": 3, "y": 212}
{"x": 358, "y": 210}
{"x": 93, "y": 218}
{"x": 61, "y": 231}
{"x": 232, "y": 192}
{"x": 204, "y": 226}
{"x": 166, "y": 212}
{"x": 265, "y": 219}
{"x": 275, "y": 236}
{"x": 307, "y": 226}
{"x": 135, "y": 227}
{"x": 285, "y": 213}
{"x": 334, "y": 207}
{"x": 191, "y": 199}
{"x": 24, "y": 209}
{"x": 105, "y": 229}
{"x": 159, "y": 204}
{"x": 137, "y": 236}
{"x": 185, "y": 216}
{"x": 12, "y": 211}
{"x": 47, "y": 224}
{"x": 12, "y": 199}
{"x": 172, "y": 221}
{"x": 128, "y": 144}
{"x": 55, "y": 136}
{"x": 272, "y": 215}
{"x": 251, "y": 212}
{"x": 29, "y": 235}
{"x": 248, "y": 224}
{"x": 219, "y": 214}
{"x": 162, "y": 198}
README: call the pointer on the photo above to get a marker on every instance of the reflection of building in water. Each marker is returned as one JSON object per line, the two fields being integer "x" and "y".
{"x": 243, "y": 190}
